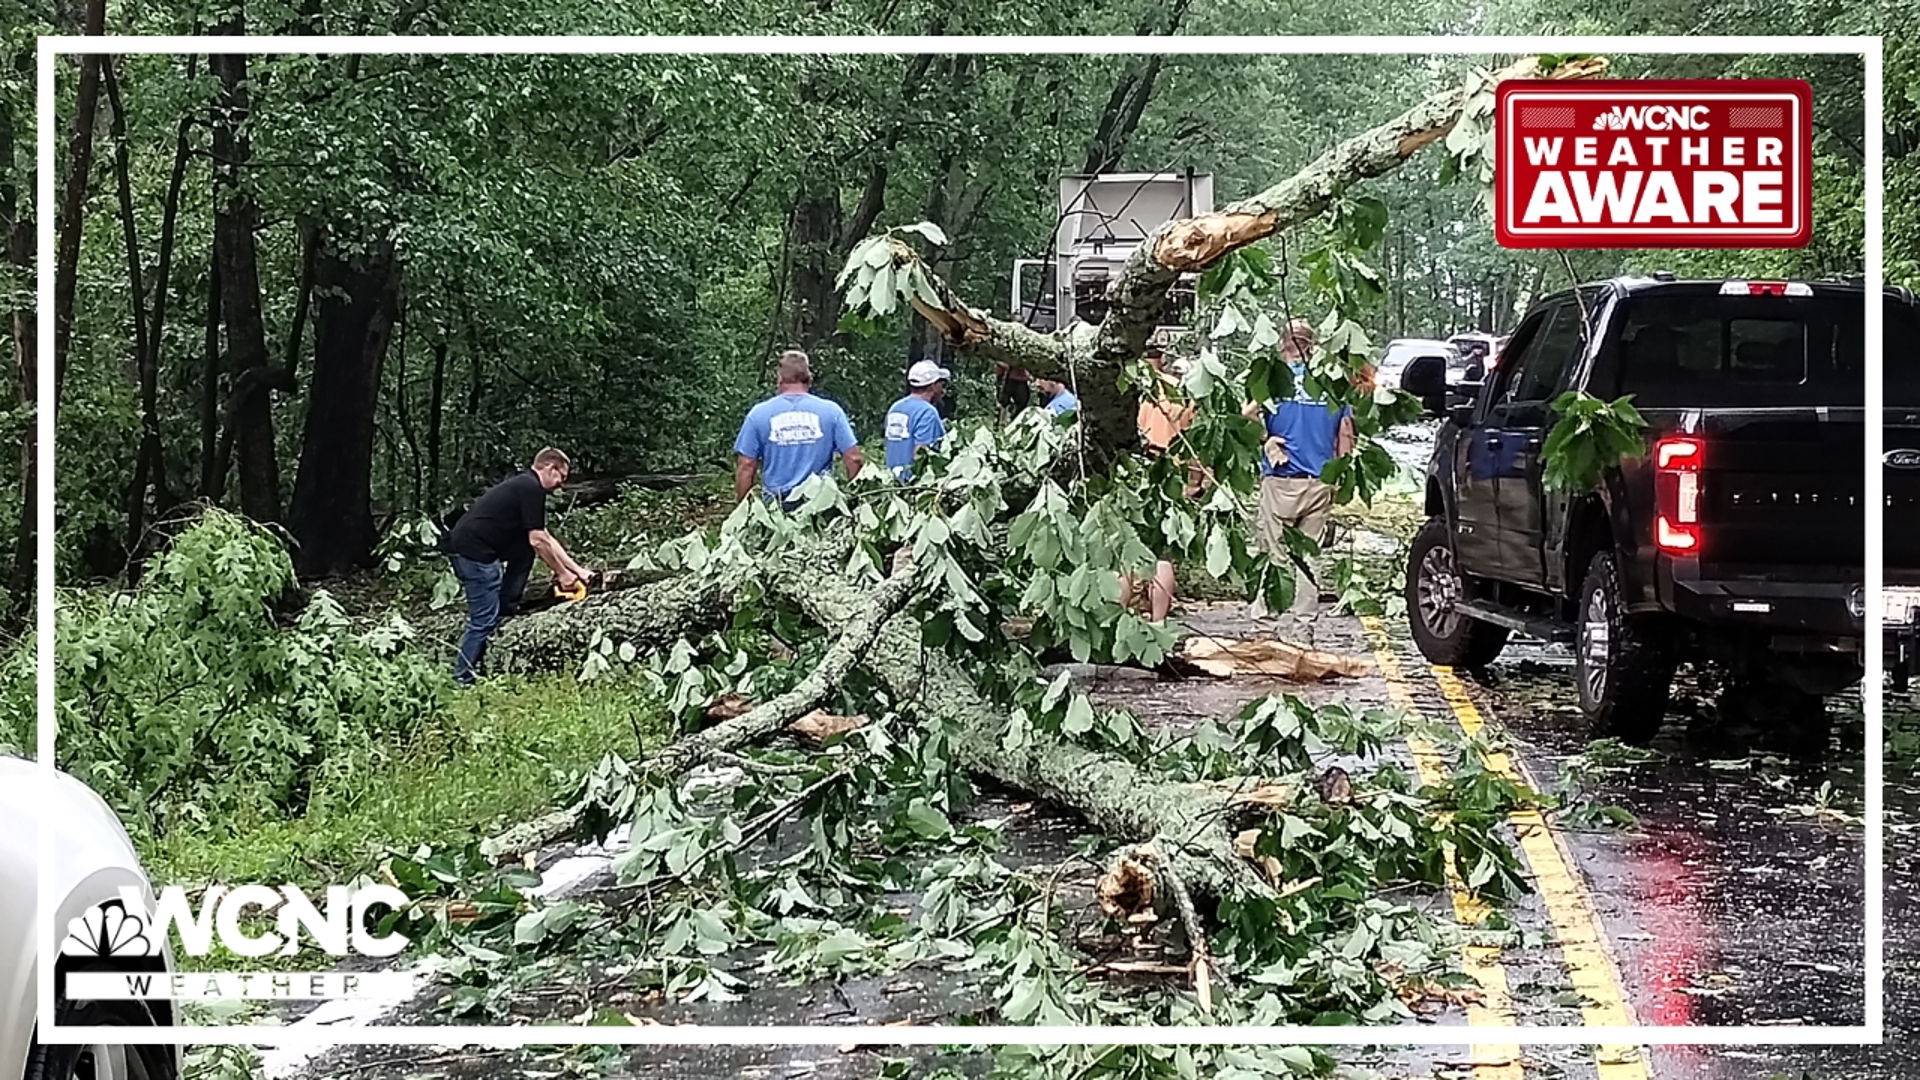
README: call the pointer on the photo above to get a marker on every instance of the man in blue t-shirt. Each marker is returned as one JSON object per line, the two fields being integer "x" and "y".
{"x": 792, "y": 436}
{"x": 1060, "y": 400}
{"x": 1303, "y": 435}
{"x": 913, "y": 422}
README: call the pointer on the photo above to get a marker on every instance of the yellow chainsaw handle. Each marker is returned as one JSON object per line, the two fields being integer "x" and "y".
{"x": 577, "y": 594}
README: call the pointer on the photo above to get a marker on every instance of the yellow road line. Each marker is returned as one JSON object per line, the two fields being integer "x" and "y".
{"x": 1481, "y": 962}
{"x": 1583, "y": 942}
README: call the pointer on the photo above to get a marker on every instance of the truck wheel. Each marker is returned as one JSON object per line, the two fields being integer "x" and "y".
{"x": 1623, "y": 663}
{"x": 1434, "y": 586}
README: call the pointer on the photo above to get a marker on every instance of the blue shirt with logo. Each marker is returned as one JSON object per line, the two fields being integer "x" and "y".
{"x": 912, "y": 422}
{"x": 1063, "y": 403}
{"x": 1309, "y": 429}
{"x": 794, "y": 436}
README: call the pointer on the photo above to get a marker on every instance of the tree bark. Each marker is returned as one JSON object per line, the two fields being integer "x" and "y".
{"x": 436, "y": 396}
{"x": 73, "y": 197}
{"x": 1191, "y": 823}
{"x": 17, "y": 231}
{"x": 813, "y": 229}
{"x": 152, "y": 445}
{"x": 213, "y": 466}
{"x": 148, "y": 467}
{"x": 665, "y": 612}
{"x": 331, "y": 517}
{"x": 309, "y": 256}
{"x": 249, "y": 421}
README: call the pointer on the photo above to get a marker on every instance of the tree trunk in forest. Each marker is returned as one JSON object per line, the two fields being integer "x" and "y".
{"x": 149, "y": 464}
{"x": 153, "y": 455}
{"x": 213, "y": 473}
{"x": 249, "y": 411}
{"x": 73, "y": 197}
{"x": 813, "y": 228}
{"x": 1128, "y": 101}
{"x": 1400, "y": 282}
{"x": 332, "y": 513}
{"x": 17, "y": 233}
{"x": 402, "y": 391}
{"x": 309, "y": 254}
{"x": 436, "y": 396}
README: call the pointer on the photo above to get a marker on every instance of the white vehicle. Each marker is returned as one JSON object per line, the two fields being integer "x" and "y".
{"x": 1482, "y": 352}
{"x": 1402, "y": 353}
{"x": 95, "y": 858}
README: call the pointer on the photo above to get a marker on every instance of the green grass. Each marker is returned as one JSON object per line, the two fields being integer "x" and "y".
{"x": 511, "y": 750}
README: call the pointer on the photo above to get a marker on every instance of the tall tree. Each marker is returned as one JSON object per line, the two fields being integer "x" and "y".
{"x": 359, "y": 304}
{"x": 16, "y": 230}
{"x": 73, "y": 196}
{"x": 248, "y": 421}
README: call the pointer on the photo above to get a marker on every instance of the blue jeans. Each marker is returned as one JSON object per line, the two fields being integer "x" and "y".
{"x": 494, "y": 590}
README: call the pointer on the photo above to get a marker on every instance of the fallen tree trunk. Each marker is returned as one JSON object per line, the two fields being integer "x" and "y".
{"x": 581, "y": 492}
{"x": 1190, "y": 823}
{"x": 662, "y": 611}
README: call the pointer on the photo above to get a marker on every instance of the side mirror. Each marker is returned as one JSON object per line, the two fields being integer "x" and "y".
{"x": 1460, "y": 401}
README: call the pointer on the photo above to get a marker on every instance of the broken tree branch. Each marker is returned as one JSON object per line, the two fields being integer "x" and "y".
{"x": 635, "y": 617}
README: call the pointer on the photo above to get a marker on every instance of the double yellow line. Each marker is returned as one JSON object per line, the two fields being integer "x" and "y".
{"x": 1583, "y": 941}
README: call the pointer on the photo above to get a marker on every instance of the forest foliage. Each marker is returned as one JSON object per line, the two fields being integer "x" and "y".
{"x": 456, "y": 259}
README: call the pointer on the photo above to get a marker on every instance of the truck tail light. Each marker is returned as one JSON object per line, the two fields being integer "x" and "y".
{"x": 1765, "y": 288}
{"x": 1676, "y": 494}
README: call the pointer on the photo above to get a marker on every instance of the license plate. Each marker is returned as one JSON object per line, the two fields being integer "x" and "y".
{"x": 1900, "y": 604}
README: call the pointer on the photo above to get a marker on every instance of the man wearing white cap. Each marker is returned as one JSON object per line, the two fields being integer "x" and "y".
{"x": 913, "y": 423}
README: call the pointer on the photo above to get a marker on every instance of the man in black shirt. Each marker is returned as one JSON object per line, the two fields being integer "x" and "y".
{"x": 493, "y": 545}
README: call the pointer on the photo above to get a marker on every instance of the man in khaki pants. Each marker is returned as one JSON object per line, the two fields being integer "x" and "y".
{"x": 1303, "y": 435}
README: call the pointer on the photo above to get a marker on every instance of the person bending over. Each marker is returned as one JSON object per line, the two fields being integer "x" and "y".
{"x": 492, "y": 548}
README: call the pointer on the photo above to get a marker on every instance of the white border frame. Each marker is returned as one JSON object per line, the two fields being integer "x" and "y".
{"x": 1870, "y": 1032}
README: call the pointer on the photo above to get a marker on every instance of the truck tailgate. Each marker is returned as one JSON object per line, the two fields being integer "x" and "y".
{"x": 1782, "y": 488}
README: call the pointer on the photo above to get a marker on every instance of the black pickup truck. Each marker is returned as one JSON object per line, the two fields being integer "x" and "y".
{"x": 1738, "y": 538}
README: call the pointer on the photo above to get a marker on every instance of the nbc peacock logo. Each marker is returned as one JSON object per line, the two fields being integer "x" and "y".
{"x": 108, "y": 930}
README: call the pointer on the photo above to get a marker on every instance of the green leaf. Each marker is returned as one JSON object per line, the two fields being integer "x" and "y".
{"x": 882, "y": 296}
{"x": 1079, "y": 718}
{"x": 926, "y": 821}
{"x": 1219, "y": 553}
{"x": 928, "y": 229}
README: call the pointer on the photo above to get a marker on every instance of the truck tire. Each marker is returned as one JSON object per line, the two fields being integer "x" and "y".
{"x": 1623, "y": 664}
{"x": 1434, "y": 584}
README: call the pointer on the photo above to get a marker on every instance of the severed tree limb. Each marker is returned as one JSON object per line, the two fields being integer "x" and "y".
{"x": 861, "y": 627}
{"x": 809, "y": 694}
